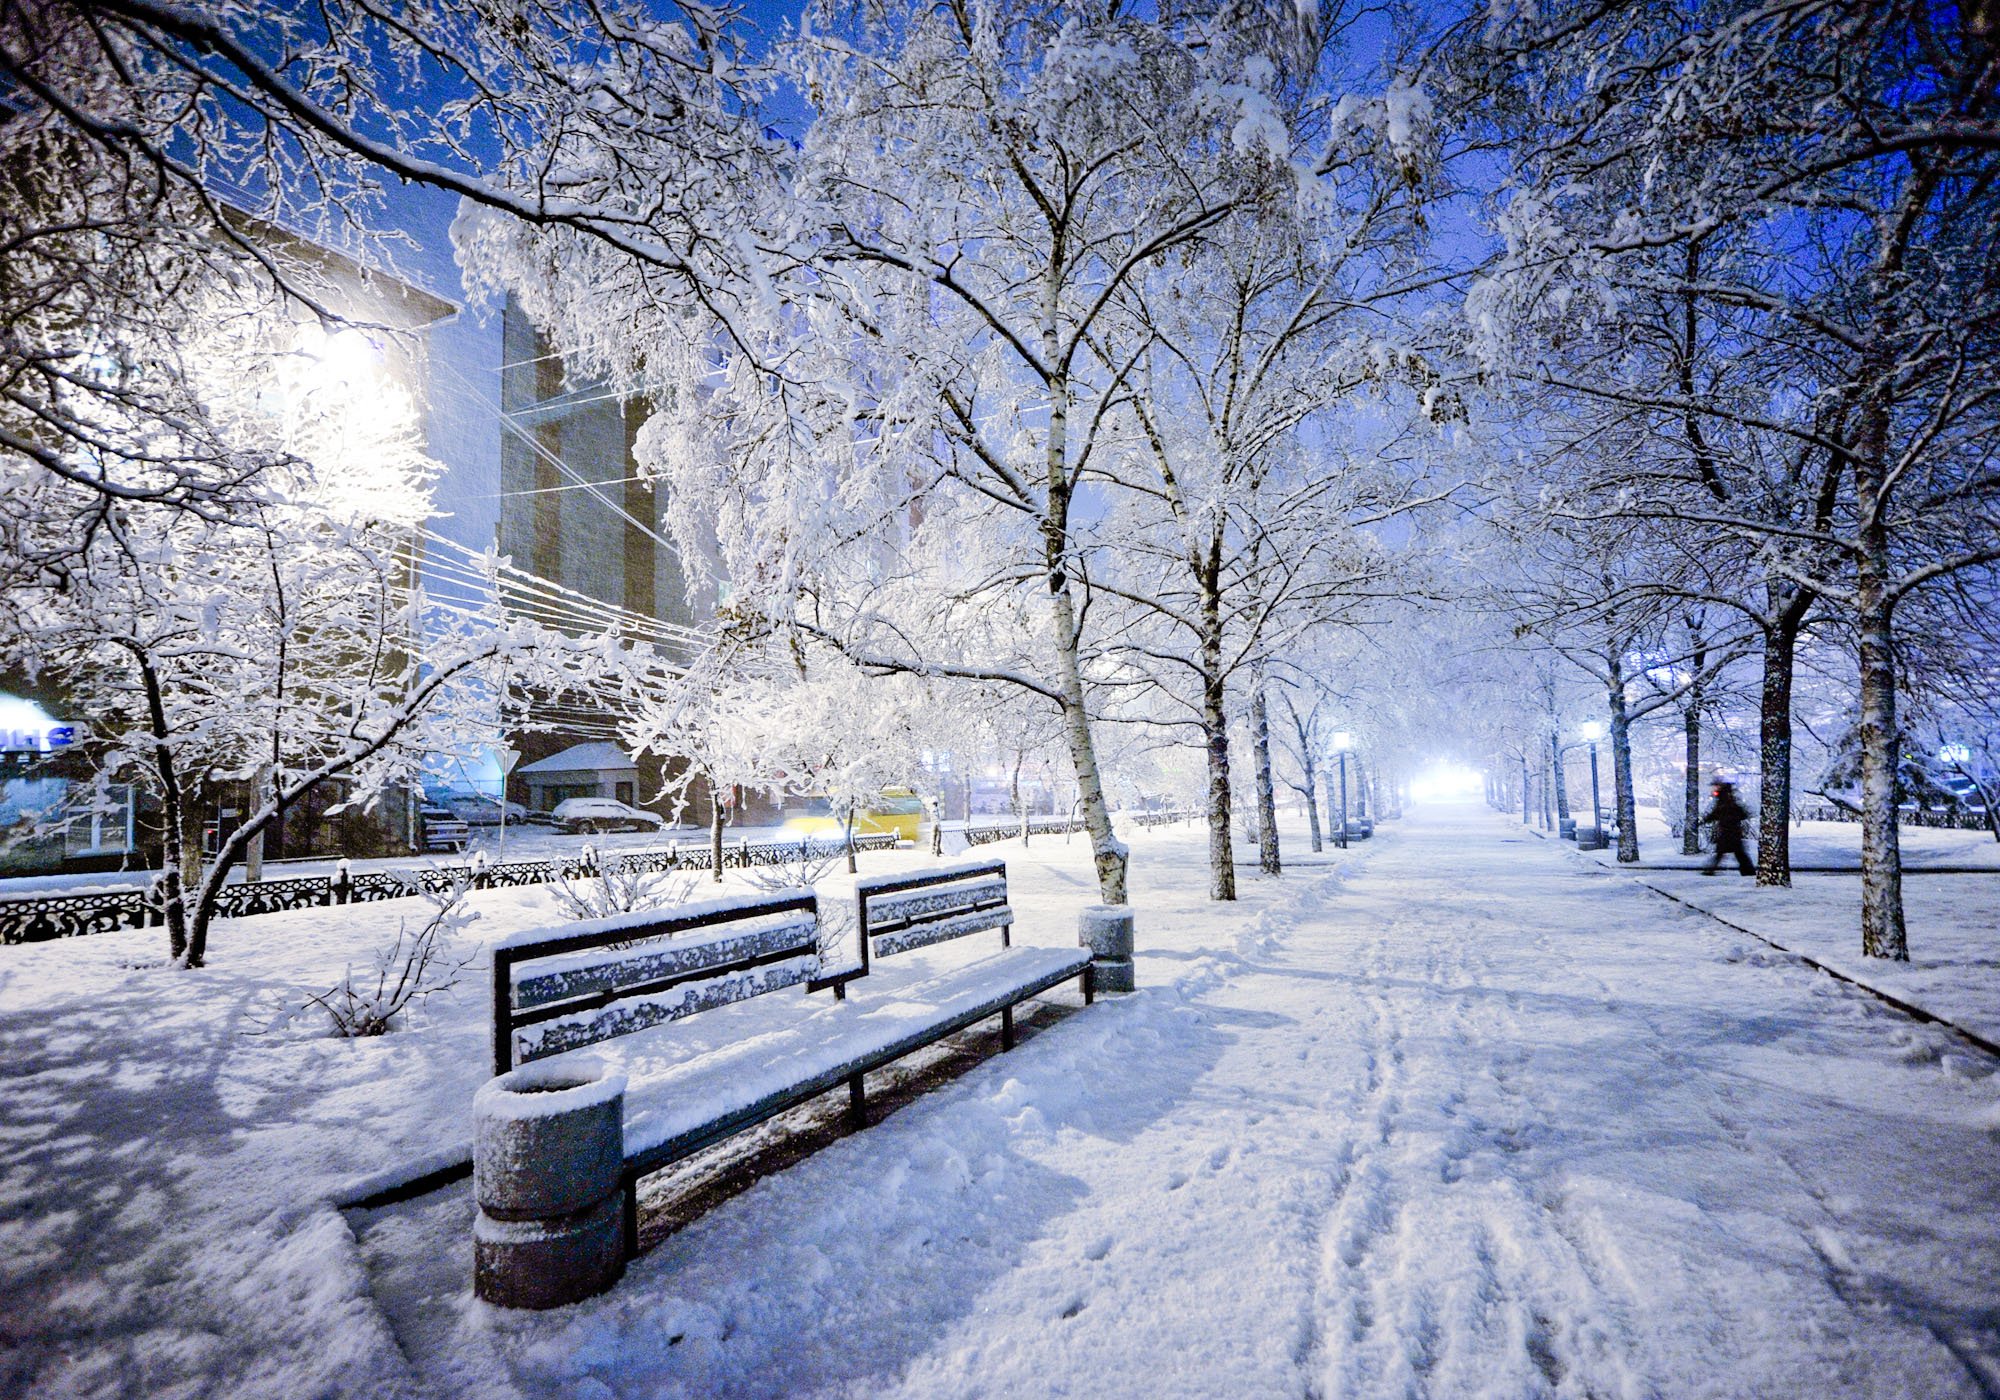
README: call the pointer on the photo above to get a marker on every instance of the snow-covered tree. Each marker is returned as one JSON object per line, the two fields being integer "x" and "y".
{"x": 1815, "y": 185}
{"x": 270, "y": 632}
{"x": 977, "y": 185}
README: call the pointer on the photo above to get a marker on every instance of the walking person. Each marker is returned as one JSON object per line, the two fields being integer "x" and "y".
{"x": 1726, "y": 815}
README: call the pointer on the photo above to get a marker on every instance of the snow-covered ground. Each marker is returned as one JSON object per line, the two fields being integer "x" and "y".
{"x": 1447, "y": 1115}
{"x": 1953, "y": 917}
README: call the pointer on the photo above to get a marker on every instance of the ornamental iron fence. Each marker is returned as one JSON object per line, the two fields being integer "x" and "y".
{"x": 39, "y": 918}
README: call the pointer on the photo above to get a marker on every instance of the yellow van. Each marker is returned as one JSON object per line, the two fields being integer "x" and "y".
{"x": 897, "y": 811}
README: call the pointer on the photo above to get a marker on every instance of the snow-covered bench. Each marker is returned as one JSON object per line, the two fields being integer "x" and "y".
{"x": 566, "y": 988}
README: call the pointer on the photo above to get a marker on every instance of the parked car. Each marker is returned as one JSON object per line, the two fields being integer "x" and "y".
{"x": 604, "y": 814}
{"x": 442, "y": 829}
{"x": 477, "y": 809}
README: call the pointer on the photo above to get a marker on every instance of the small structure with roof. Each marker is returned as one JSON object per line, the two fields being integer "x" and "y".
{"x": 598, "y": 768}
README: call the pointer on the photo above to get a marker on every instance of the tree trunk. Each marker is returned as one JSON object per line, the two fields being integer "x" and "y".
{"x": 1691, "y": 734}
{"x": 1333, "y": 830}
{"x": 1621, "y": 768}
{"x": 1215, "y": 730}
{"x": 1267, "y": 797}
{"x": 1527, "y": 793}
{"x": 1561, "y": 778}
{"x": 1014, "y": 795}
{"x": 1883, "y": 934}
{"x": 1774, "y": 747}
{"x": 1107, "y": 852}
{"x": 1691, "y": 783}
{"x": 1312, "y": 807}
{"x": 715, "y": 830}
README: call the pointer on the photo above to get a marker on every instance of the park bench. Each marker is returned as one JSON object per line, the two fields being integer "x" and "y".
{"x": 578, "y": 985}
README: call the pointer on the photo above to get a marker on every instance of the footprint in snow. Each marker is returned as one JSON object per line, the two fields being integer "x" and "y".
{"x": 1176, "y": 1180}
{"x": 1097, "y": 1248}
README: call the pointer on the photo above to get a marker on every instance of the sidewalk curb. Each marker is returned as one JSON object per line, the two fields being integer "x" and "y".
{"x": 1908, "y": 1008}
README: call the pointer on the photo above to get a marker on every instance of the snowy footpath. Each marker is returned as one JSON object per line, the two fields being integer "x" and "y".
{"x": 1440, "y": 1116}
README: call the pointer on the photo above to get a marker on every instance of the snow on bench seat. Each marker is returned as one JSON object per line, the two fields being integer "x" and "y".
{"x": 707, "y": 1100}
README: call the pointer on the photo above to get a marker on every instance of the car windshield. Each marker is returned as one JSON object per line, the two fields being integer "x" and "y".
{"x": 899, "y": 807}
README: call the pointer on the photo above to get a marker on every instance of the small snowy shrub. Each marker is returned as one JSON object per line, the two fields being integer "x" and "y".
{"x": 620, "y": 889}
{"x": 405, "y": 972}
{"x": 804, "y": 868}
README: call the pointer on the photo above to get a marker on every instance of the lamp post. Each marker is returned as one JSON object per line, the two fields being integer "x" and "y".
{"x": 1592, "y": 731}
{"x": 1342, "y": 742}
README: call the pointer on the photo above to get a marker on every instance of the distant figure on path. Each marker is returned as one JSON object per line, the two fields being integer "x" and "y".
{"x": 1726, "y": 815}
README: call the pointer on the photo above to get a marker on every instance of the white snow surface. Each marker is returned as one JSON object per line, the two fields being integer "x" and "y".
{"x": 1953, "y": 918}
{"x": 1449, "y": 1114}
{"x": 546, "y": 1089}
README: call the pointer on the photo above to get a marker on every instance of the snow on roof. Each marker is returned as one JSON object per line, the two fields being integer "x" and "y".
{"x": 598, "y": 753}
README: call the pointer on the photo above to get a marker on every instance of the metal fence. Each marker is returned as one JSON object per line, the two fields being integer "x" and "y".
{"x": 1940, "y": 819}
{"x": 1063, "y": 826}
{"x": 39, "y": 918}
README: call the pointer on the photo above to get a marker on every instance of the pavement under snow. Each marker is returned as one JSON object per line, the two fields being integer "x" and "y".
{"x": 1452, "y": 1114}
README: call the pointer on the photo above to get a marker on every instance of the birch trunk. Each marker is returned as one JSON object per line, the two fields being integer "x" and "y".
{"x": 1883, "y": 933}
{"x": 1774, "y": 747}
{"x": 1561, "y": 780}
{"x": 1312, "y": 807}
{"x": 1107, "y": 853}
{"x": 1691, "y": 784}
{"x": 1621, "y": 767}
{"x": 1267, "y": 797}
{"x": 715, "y": 831}
{"x": 1215, "y": 729}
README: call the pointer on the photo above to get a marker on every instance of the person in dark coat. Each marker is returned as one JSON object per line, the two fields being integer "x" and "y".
{"x": 1726, "y": 815}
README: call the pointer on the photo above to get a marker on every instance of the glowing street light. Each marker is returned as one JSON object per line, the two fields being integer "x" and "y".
{"x": 1592, "y": 731}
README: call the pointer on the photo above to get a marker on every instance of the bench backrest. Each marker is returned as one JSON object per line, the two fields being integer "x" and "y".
{"x": 563, "y": 988}
{"x": 896, "y": 913}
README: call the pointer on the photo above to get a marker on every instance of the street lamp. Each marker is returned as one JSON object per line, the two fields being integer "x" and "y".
{"x": 1592, "y": 731}
{"x": 1342, "y": 742}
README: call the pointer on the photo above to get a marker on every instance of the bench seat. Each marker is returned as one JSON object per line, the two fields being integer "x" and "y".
{"x": 706, "y": 1100}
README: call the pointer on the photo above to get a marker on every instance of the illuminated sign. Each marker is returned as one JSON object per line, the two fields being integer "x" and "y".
{"x": 25, "y": 728}
{"x": 46, "y": 739}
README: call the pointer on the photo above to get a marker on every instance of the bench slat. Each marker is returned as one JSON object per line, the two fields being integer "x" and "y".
{"x": 922, "y": 935}
{"x": 651, "y": 1143}
{"x": 596, "y": 972}
{"x": 645, "y": 1010}
{"x": 887, "y": 909}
